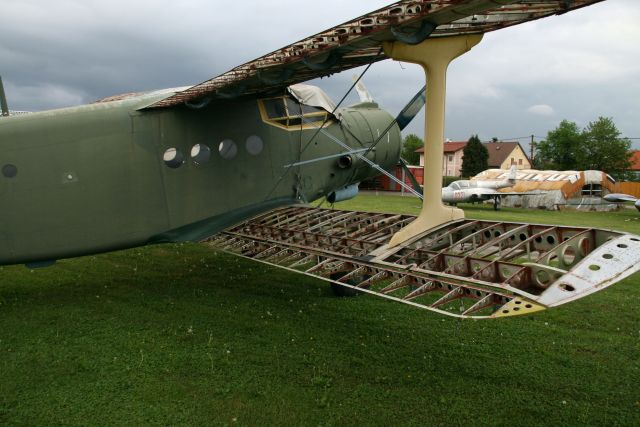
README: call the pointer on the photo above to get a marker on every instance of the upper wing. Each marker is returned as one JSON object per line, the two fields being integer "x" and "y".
{"x": 359, "y": 42}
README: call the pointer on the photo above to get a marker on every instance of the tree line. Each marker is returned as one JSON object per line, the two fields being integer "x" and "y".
{"x": 598, "y": 146}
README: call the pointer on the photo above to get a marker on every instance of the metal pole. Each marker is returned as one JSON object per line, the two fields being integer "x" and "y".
{"x": 3, "y": 100}
{"x": 532, "y": 147}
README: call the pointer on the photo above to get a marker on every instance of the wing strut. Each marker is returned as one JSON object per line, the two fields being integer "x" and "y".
{"x": 434, "y": 55}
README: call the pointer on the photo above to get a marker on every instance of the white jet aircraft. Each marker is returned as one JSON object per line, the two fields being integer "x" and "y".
{"x": 479, "y": 190}
{"x": 621, "y": 198}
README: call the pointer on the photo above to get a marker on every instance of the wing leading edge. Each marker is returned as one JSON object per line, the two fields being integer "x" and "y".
{"x": 359, "y": 42}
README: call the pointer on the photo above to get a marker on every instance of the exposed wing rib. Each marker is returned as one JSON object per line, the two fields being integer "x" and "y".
{"x": 359, "y": 42}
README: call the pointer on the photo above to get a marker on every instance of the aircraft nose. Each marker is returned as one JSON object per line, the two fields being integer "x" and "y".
{"x": 367, "y": 126}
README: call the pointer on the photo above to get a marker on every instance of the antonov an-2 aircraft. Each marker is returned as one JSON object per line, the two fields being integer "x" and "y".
{"x": 232, "y": 161}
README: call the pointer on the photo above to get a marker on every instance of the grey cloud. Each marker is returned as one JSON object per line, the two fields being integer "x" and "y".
{"x": 584, "y": 64}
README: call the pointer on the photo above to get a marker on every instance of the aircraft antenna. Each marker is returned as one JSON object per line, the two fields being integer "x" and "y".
{"x": 3, "y": 100}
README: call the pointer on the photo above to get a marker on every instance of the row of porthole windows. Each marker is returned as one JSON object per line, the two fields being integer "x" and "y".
{"x": 201, "y": 153}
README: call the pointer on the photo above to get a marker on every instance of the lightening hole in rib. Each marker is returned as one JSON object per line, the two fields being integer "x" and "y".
{"x": 528, "y": 306}
{"x": 173, "y": 158}
{"x": 523, "y": 237}
{"x": 594, "y": 267}
{"x": 200, "y": 154}
{"x": 543, "y": 278}
{"x": 584, "y": 245}
{"x": 635, "y": 240}
{"x": 567, "y": 287}
{"x": 568, "y": 255}
{"x": 518, "y": 302}
{"x": 622, "y": 245}
{"x": 551, "y": 240}
{"x": 607, "y": 256}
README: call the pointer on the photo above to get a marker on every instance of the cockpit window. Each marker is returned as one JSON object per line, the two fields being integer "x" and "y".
{"x": 454, "y": 185}
{"x": 285, "y": 112}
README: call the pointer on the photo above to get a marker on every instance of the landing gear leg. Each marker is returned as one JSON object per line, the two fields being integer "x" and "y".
{"x": 496, "y": 203}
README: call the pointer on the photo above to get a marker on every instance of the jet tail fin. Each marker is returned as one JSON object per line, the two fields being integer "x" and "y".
{"x": 512, "y": 174}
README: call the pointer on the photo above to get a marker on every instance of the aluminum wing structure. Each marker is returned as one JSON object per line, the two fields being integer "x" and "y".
{"x": 359, "y": 42}
{"x": 468, "y": 268}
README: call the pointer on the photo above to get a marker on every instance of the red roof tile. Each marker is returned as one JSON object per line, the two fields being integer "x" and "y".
{"x": 498, "y": 151}
{"x": 449, "y": 147}
{"x": 635, "y": 160}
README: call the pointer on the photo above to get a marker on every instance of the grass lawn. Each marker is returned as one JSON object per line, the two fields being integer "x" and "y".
{"x": 181, "y": 334}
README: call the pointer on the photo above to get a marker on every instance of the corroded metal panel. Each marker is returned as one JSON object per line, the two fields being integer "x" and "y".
{"x": 359, "y": 41}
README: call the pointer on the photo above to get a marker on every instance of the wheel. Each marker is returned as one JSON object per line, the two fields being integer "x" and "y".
{"x": 496, "y": 203}
{"x": 344, "y": 291}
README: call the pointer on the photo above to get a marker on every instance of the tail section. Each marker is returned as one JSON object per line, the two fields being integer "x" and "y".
{"x": 512, "y": 175}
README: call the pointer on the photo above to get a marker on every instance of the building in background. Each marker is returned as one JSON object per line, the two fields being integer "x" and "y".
{"x": 635, "y": 163}
{"x": 501, "y": 156}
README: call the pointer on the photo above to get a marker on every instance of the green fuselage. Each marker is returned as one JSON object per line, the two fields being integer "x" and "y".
{"x": 93, "y": 178}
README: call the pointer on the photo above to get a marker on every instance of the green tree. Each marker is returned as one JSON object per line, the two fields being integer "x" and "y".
{"x": 409, "y": 146}
{"x": 475, "y": 157}
{"x": 603, "y": 149}
{"x": 559, "y": 150}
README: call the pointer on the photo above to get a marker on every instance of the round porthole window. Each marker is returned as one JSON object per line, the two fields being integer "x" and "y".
{"x": 173, "y": 158}
{"x": 200, "y": 154}
{"x": 228, "y": 149}
{"x": 254, "y": 145}
{"x": 9, "y": 170}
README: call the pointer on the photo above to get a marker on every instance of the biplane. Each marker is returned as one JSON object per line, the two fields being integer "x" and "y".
{"x": 234, "y": 161}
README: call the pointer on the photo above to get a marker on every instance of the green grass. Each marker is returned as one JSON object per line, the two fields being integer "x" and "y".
{"x": 180, "y": 334}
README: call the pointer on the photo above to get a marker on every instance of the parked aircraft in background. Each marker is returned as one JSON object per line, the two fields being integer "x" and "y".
{"x": 622, "y": 198}
{"x": 466, "y": 191}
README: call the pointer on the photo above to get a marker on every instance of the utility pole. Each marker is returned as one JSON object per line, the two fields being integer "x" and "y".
{"x": 532, "y": 149}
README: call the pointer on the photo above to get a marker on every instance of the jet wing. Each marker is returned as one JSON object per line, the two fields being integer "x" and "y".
{"x": 619, "y": 198}
{"x": 359, "y": 42}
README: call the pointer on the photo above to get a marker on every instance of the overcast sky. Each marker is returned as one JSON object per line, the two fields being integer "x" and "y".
{"x": 516, "y": 82}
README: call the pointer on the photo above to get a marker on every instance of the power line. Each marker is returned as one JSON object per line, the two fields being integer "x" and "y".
{"x": 528, "y": 137}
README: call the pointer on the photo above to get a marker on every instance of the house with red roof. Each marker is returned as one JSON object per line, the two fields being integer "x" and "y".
{"x": 502, "y": 154}
{"x": 635, "y": 162}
